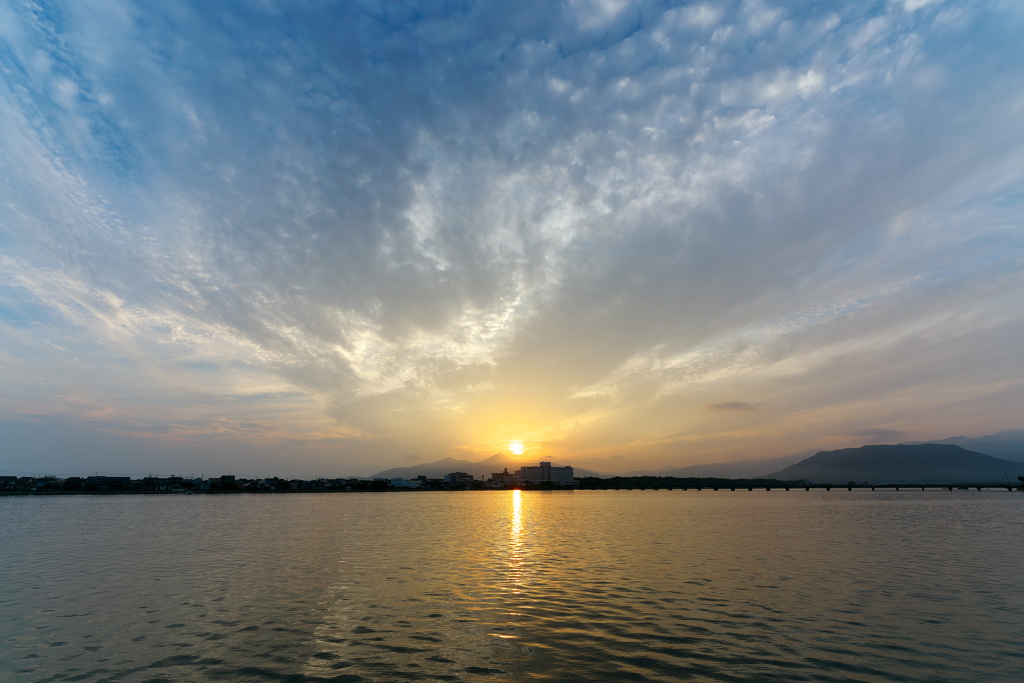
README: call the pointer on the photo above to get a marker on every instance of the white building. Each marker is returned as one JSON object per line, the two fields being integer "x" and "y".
{"x": 545, "y": 472}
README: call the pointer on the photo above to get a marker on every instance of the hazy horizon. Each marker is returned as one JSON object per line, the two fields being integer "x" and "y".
{"x": 206, "y": 471}
{"x": 315, "y": 240}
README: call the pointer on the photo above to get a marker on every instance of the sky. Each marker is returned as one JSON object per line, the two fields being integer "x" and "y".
{"x": 311, "y": 238}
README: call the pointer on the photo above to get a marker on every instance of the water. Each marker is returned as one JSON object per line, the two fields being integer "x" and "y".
{"x": 509, "y": 586}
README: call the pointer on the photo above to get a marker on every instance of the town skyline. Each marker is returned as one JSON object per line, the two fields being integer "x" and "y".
{"x": 317, "y": 239}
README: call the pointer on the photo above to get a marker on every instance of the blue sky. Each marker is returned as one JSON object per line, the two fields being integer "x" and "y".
{"x": 329, "y": 238}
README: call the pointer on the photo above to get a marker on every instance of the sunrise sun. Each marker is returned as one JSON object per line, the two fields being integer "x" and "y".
{"x": 516, "y": 447}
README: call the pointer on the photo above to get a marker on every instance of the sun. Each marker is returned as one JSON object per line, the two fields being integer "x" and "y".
{"x": 516, "y": 447}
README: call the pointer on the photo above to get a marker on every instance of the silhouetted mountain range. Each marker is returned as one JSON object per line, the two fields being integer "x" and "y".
{"x": 737, "y": 469}
{"x": 1008, "y": 444}
{"x": 439, "y": 468}
{"x": 923, "y": 463}
{"x": 999, "y": 452}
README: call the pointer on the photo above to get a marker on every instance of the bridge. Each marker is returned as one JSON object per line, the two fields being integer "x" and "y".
{"x": 818, "y": 487}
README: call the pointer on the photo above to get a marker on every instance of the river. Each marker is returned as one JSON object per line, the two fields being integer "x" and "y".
{"x": 514, "y": 586}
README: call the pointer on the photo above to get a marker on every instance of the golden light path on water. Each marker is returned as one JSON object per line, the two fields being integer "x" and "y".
{"x": 428, "y": 604}
{"x": 515, "y": 542}
{"x": 516, "y": 564}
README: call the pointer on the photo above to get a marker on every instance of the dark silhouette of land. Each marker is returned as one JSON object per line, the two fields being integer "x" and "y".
{"x": 1007, "y": 444}
{"x": 923, "y": 463}
{"x": 735, "y": 469}
{"x": 440, "y": 468}
{"x": 903, "y": 465}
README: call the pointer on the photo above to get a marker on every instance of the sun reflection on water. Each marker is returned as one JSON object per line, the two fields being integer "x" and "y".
{"x": 515, "y": 542}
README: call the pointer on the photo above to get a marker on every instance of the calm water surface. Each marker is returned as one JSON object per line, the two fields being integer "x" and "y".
{"x": 509, "y": 586}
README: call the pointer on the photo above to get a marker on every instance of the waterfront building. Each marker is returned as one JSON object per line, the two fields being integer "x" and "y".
{"x": 99, "y": 482}
{"x": 458, "y": 478}
{"x": 504, "y": 478}
{"x": 544, "y": 472}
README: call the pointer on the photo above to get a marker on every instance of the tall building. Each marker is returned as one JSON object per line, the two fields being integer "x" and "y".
{"x": 545, "y": 472}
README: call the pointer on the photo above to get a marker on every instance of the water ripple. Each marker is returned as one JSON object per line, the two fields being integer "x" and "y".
{"x": 504, "y": 586}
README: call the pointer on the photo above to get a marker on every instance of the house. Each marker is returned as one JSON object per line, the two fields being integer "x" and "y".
{"x": 504, "y": 478}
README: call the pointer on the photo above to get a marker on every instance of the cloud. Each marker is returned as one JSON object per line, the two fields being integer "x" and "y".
{"x": 432, "y": 231}
{"x": 728, "y": 406}
{"x": 912, "y": 5}
{"x": 879, "y": 433}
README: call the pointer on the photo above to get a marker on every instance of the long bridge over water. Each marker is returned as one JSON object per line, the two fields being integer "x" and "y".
{"x": 816, "y": 487}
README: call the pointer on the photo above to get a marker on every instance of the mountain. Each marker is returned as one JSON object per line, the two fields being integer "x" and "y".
{"x": 737, "y": 469}
{"x": 1007, "y": 444}
{"x": 1000, "y": 452}
{"x": 439, "y": 468}
{"x": 924, "y": 463}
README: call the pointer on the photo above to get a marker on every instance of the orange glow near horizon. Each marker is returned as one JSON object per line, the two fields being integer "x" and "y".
{"x": 516, "y": 447}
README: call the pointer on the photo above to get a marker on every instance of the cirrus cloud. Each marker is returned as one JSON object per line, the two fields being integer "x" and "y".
{"x": 385, "y": 229}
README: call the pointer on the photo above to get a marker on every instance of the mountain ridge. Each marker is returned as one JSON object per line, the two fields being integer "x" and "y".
{"x": 734, "y": 469}
{"x": 921, "y": 463}
{"x": 1007, "y": 444}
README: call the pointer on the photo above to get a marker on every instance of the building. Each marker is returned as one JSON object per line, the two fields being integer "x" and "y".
{"x": 458, "y": 478}
{"x": 99, "y": 482}
{"x": 504, "y": 478}
{"x": 544, "y": 472}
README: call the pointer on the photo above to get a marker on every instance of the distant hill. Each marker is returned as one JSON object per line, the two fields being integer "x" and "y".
{"x": 999, "y": 452}
{"x": 737, "y": 469}
{"x": 439, "y": 468}
{"x": 924, "y": 463}
{"x": 1007, "y": 444}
